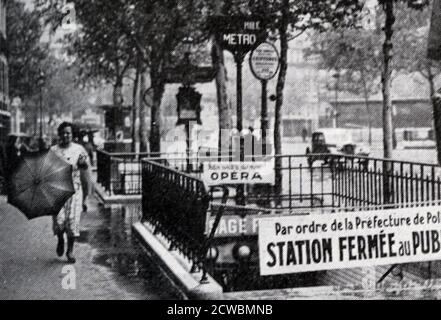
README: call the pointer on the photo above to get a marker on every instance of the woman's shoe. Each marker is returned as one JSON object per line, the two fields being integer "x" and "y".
{"x": 60, "y": 246}
{"x": 69, "y": 253}
{"x": 70, "y": 258}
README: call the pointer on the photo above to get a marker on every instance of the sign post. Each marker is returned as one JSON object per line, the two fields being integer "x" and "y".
{"x": 264, "y": 63}
{"x": 239, "y": 35}
{"x": 189, "y": 110}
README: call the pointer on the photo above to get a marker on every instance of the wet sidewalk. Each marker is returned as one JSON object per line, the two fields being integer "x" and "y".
{"x": 110, "y": 265}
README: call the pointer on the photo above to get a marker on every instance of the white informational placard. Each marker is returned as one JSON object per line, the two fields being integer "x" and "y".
{"x": 222, "y": 173}
{"x": 264, "y": 61}
{"x": 349, "y": 240}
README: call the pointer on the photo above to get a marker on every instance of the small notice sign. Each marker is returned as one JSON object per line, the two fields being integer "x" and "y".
{"x": 223, "y": 173}
{"x": 264, "y": 61}
{"x": 349, "y": 240}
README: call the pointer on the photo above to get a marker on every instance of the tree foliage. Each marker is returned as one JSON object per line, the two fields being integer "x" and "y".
{"x": 62, "y": 92}
{"x": 26, "y": 53}
{"x": 102, "y": 50}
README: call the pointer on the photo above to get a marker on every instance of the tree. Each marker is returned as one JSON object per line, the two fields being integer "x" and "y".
{"x": 413, "y": 53}
{"x": 388, "y": 45}
{"x": 26, "y": 53}
{"x": 218, "y": 61}
{"x": 62, "y": 90}
{"x": 157, "y": 29}
{"x": 354, "y": 56}
{"x": 288, "y": 19}
{"x": 103, "y": 50}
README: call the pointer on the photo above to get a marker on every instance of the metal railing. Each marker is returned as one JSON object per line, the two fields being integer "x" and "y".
{"x": 372, "y": 182}
{"x": 176, "y": 205}
{"x": 337, "y": 181}
{"x": 120, "y": 173}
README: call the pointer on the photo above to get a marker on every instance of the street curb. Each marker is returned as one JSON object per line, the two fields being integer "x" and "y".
{"x": 176, "y": 267}
{"x": 106, "y": 200}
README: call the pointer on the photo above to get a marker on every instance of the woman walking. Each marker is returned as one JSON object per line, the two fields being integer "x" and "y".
{"x": 68, "y": 220}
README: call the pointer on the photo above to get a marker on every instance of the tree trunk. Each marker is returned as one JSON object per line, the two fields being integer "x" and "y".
{"x": 135, "y": 107}
{"x": 143, "y": 137}
{"x": 387, "y": 99}
{"x": 217, "y": 55}
{"x": 387, "y": 80}
{"x": 368, "y": 109}
{"x": 436, "y": 103}
{"x": 158, "y": 88}
{"x": 222, "y": 98}
{"x": 283, "y": 29}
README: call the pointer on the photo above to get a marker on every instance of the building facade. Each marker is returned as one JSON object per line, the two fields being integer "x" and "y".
{"x": 407, "y": 113}
{"x": 5, "y": 115}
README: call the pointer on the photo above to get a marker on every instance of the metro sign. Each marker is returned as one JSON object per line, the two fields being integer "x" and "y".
{"x": 240, "y": 39}
{"x": 239, "y": 34}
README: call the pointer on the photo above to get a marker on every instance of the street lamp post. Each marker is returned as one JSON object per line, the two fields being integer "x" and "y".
{"x": 188, "y": 41}
{"x": 337, "y": 83}
{"x": 189, "y": 108}
{"x": 40, "y": 84}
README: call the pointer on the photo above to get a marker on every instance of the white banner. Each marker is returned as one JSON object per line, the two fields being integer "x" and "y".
{"x": 221, "y": 173}
{"x": 349, "y": 240}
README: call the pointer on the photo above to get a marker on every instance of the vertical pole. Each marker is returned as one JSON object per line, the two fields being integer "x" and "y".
{"x": 264, "y": 115}
{"x": 239, "y": 124}
{"x": 335, "y": 123}
{"x": 187, "y": 132}
{"x": 240, "y": 192}
{"x": 41, "y": 118}
{"x": 17, "y": 120}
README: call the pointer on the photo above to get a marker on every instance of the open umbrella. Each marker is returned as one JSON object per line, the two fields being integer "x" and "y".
{"x": 40, "y": 185}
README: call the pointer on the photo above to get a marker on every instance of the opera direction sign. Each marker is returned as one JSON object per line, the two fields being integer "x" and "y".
{"x": 232, "y": 173}
{"x": 264, "y": 61}
{"x": 349, "y": 240}
{"x": 239, "y": 34}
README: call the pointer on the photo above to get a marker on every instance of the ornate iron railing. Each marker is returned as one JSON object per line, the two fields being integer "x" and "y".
{"x": 120, "y": 173}
{"x": 335, "y": 181}
{"x": 176, "y": 205}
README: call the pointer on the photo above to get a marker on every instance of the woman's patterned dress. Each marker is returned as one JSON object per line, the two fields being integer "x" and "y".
{"x": 68, "y": 220}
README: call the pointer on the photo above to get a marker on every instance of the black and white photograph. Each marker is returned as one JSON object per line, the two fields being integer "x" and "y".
{"x": 228, "y": 150}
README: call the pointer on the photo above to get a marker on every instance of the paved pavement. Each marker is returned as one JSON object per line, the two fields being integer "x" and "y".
{"x": 109, "y": 264}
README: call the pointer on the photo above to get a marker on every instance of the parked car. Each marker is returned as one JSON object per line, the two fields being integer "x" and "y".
{"x": 416, "y": 138}
{"x": 333, "y": 141}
